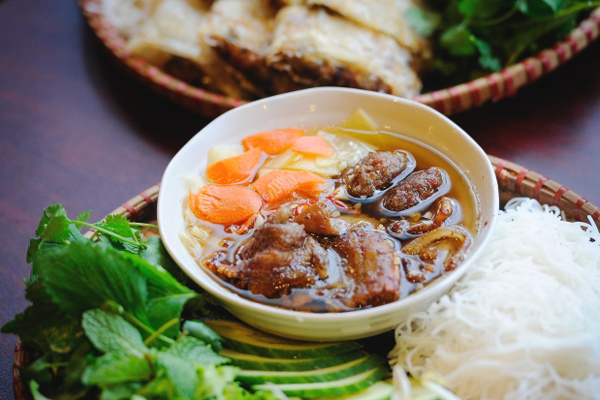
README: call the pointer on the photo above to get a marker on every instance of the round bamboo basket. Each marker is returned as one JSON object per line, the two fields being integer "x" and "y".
{"x": 448, "y": 101}
{"x": 513, "y": 181}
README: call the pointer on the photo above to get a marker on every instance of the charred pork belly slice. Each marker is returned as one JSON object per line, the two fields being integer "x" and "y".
{"x": 416, "y": 192}
{"x": 369, "y": 259}
{"x": 276, "y": 259}
{"x": 376, "y": 171}
{"x": 316, "y": 48}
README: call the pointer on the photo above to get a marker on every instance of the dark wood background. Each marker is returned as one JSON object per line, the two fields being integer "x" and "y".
{"x": 75, "y": 130}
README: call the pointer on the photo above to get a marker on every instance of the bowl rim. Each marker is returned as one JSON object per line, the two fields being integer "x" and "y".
{"x": 225, "y": 294}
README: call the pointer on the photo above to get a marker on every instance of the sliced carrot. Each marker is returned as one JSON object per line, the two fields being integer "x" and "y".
{"x": 273, "y": 142}
{"x": 279, "y": 184}
{"x": 315, "y": 146}
{"x": 225, "y": 205}
{"x": 235, "y": 169}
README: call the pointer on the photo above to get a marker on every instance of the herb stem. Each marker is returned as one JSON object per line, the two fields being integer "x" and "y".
{"x": 142, "y": 224}
{"x": 160, "y": 330}
{"x": 107, "y": 232}
{"x": 153, "y": 334}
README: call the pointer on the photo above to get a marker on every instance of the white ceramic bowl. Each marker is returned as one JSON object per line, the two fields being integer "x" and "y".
{"x": 319, "y": 107}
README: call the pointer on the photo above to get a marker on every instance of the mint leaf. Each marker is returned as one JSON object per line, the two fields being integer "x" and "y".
{"x": 195, "y": 351}
{"x": 120, "y": 391}
{"x": 161, "y": 308}
{"x": 112, "y": 368}
{"x": 457, "y": 40}
{"x": 201, "y": 331}
{"x": 160, "y": 387}
{"x": 217, "y": 379}
{"x": 181, "y": 373}
{"x": 423, "y": 21}
{"x": 112, "y": 333}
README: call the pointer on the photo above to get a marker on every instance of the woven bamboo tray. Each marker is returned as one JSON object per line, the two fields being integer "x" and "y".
{"x": 513, "y": 181}
{"x": 448, "y": 101}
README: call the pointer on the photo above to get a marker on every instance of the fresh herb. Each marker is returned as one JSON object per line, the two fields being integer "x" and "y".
{"x": 105, "y": 319}
{"x": 475, "y": 37}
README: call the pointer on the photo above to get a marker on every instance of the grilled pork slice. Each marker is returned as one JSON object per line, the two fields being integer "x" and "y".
{"x": 385, "y": 16}
{"x": 370, "y": 261}
{"x": 275, "y": 260}
{"x": 319, "y": 49}
{"x": 169, "y": 39}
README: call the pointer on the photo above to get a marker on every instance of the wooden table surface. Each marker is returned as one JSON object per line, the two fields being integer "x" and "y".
{"x": 76, "y": 130}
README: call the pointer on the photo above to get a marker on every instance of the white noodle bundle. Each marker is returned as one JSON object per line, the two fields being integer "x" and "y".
{"x": 524, "y": 322}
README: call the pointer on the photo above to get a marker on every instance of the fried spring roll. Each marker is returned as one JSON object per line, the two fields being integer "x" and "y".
{"x": 169, "y": 39}
{"x": 317, "y": 48}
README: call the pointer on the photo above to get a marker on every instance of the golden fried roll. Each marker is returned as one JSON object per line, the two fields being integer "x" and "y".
{"x": 241, "y": 31}
{"x": 319, "y": 49}
{"x": 127, "y": 15}
{"x": 385, "y": 16}
{"x": 169, "y": 39}
{"x": 285, "y": 3}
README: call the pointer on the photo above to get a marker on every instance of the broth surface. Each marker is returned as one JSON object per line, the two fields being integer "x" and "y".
{"x": 218, "y": 247}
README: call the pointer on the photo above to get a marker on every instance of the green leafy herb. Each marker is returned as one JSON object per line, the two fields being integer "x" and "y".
{"x": 106, "y": 318}
{"x": 111, "y": 333}
{"x": 56, "y": 229}
{"x": 114, "y": 368}
{"x": 476, "y": 37}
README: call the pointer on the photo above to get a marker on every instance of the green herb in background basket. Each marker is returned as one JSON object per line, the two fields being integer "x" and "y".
{"x": 105, "y": 318}
{"x": 476, "y": 37}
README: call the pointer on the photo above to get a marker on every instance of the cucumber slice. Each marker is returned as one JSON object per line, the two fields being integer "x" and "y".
{"x": 332, "y": 388}
{"x": 381, "y": 390}
{"x": 337, "y": 372}
{"x": 244, "y": 339}
{"x": 254, "y": 362}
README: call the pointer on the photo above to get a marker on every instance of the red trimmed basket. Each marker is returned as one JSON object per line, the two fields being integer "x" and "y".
{"x": 513, "y": 181}
{"x": 448, "y": 101}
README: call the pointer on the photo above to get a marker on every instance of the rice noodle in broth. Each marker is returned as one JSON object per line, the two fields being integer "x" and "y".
{"x": 523, "y": 322}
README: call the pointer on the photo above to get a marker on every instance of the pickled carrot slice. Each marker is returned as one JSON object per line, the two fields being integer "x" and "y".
{"x": 273, "y": 142}
{"x": 279, "y": 184}
{"x": 225, "y": 205}
{"x": 315, "y": 146}
{"x": 235, "y": 169}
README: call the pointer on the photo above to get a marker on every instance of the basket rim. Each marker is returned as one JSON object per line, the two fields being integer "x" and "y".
{"x": 451, "y": 100}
